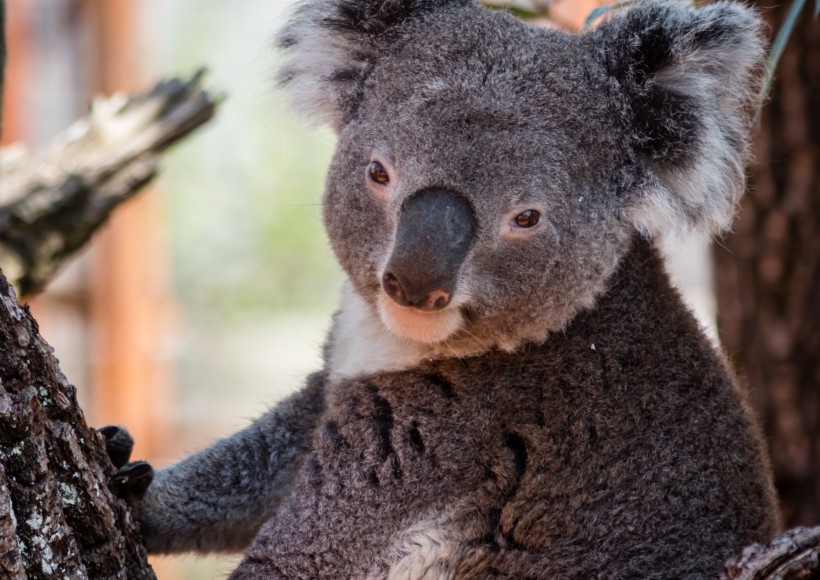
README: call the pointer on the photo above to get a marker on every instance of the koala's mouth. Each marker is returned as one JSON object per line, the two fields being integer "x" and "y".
{"x": 425, "y": 327}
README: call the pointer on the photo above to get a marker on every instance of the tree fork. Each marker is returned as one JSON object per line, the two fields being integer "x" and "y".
{"x": 54, "y": 201}
{"x": 58, "y": 518}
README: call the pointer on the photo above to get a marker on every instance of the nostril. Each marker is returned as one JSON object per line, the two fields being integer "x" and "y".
{"x": 394, "y": 289}
{"x": 427, "y": 302}
{"x": 436, "y": 300}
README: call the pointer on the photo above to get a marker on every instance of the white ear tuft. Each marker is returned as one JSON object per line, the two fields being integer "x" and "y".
{"x": 322, "y": 67}
{"x": 692, "y": 81}
{"x": 331, "y": 45}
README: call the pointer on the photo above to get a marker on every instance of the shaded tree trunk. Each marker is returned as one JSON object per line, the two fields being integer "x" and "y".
{"x": 768, "y": 273}
{"x": 57, "y": 516}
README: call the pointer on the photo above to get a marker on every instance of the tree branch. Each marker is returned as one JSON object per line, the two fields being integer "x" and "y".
{"x": 793, "y": 555}
{"x": 54, "y": 202}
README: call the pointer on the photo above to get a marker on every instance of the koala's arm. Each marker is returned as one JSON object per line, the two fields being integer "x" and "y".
{"x": 217, "y": 499}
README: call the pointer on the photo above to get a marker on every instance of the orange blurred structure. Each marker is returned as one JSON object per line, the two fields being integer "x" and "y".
{"x": 120, "y": 287}
{"x": 571, "y": 14}
{"x": 109, "y": 317}
{"x": 130, "y": 305}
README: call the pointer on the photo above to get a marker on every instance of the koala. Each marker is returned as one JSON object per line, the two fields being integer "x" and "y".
{"x": 512, "y": 387}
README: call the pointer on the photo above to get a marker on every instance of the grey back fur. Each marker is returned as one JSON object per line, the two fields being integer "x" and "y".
{"x": 564, "y": 416}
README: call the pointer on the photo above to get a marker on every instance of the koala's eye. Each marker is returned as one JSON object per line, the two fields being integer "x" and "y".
{"x": 527, "y": 219}
{"x": 377, "y": 173}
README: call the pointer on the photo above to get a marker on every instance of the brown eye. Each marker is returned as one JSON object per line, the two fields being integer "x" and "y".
{"x": 378, "y": 173}
{"x": 527, "y": 219}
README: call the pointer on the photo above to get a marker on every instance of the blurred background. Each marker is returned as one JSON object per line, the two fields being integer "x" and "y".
{"x": 206, "y": 299}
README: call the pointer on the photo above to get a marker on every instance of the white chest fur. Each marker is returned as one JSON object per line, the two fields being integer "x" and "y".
{"x": 360, "y": 344}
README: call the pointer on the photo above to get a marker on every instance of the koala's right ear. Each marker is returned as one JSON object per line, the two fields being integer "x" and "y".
{"x": 689, "y": 80}
{"x": 331, "y": 45}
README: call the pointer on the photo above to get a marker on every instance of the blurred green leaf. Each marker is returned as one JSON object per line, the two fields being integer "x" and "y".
{"x": 781, "y": 40}
{"x": 601, "y": 10}
{"x": 516, "y": 10}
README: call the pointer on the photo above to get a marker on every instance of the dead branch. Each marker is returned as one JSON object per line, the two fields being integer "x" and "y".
{"x": 792, "y": 555}
{"x": 53, "y": 202}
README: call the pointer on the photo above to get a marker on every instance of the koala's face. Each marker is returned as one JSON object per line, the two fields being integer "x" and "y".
{"x": 468, "y": 202}
{"x": 489, "y": 176}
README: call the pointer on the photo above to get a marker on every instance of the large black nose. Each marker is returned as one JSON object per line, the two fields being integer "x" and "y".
{"x": 435, "y": 230}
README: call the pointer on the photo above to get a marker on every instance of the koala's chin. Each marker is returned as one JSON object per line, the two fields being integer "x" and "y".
{"x": 424, "y": 327}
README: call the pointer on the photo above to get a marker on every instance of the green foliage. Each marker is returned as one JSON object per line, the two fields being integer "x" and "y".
{"x": 601, "y": 10}
{"x": 517, "y": 10}
{"x": 782, "y": 38}
{"x": 243, "y": 198}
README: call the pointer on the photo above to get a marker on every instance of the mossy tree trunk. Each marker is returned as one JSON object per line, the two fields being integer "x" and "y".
{"x": 768, "y": 273}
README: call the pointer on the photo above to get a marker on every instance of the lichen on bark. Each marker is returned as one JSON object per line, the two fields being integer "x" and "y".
{"x": 58, "y": 518}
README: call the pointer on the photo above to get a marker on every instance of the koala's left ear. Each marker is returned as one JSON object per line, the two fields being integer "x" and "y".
{"x": 690, "y": 84}
{"x": 331, "y": 45}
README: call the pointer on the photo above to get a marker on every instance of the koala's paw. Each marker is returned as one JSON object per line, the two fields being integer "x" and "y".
{"x": 118, "y": 443}
{"x": 132, "y": 479}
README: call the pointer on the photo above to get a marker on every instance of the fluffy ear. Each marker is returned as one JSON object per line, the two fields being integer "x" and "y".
{"x": 331, "y": 45}
{"x": 690, "y": 81}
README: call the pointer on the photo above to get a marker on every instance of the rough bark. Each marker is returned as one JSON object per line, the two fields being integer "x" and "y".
{"x": 794, "y": 555}
{"x": 55, "y": 201}
{"x": 57, "y": 516}
{"x": 768, "y": 273}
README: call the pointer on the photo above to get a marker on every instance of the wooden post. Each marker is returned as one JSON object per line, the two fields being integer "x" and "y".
{"x": 130, "y": 311}
{"x": 13, "y": 97}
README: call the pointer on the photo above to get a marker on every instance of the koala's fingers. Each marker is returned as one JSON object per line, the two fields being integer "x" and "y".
{"x": 118, "y": 443}
{"x": 131, "y": 481}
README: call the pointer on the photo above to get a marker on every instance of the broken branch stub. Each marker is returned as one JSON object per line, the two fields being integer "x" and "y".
{"x": 53, "y": 202}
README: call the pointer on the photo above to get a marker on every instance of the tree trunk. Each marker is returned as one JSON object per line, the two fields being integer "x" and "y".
{"x": 768, "y": 273}
{"x": 793, "y": 555}
{"x": 57, "y": 517}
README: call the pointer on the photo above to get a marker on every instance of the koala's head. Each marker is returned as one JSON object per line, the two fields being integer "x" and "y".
{"x": 490, "y": 176}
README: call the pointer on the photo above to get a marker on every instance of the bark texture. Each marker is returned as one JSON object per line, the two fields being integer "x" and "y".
{"x": 768, "y": 273}
{"x": 794, "y": 555}
{"x": 57, "y": 516}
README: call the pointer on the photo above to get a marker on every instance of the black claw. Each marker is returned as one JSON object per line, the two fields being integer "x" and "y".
{"x": 131, "y": 481}
{"x": 109, "y": 431}
{"x": 118, "y": 443}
